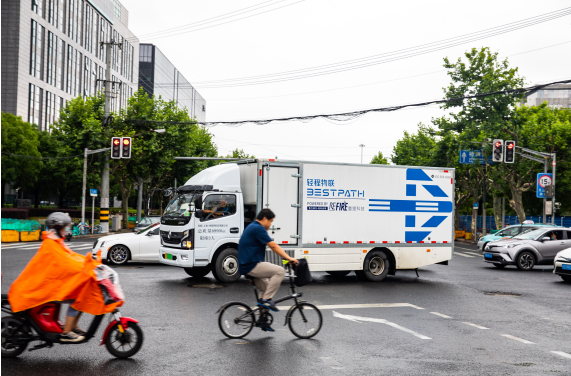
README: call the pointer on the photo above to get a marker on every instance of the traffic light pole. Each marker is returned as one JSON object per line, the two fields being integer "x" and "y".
{"x": 104, "y": 203}
{"x": 87, "y": 152}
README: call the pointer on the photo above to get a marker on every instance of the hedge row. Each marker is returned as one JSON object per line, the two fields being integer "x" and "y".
{"x": 33, "y": 212}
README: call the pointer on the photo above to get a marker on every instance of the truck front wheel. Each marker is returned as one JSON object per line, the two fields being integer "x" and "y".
{"x": 226, "y": 266}
{"x": 376, "y": 266}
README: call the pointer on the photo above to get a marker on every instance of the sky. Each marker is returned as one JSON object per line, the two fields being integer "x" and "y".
{"x": 286, "y": 35}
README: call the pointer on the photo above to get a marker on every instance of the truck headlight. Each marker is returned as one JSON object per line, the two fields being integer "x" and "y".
{"x": 187, "y": 244}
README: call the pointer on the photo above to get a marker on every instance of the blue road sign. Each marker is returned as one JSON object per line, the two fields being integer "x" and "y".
{"x": 93, "y": 192}
{"x": 473, "y": 157}
{"x": 543, "y": 180}
{"x": 476, "y": 205}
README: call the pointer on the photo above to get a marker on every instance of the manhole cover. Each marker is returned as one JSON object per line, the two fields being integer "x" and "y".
{"x": 499, "y": 293}
{"x": 205, "y": 286}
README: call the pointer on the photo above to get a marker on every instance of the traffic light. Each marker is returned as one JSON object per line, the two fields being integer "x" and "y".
{"x": 115, "y": 147}
{"x": 498, "y": 150}
{"x": 510, "y": 152}
{"x": 126, "y": 147}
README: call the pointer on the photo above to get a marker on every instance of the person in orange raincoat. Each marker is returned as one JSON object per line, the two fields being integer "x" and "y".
{"x": 56, "y": 273}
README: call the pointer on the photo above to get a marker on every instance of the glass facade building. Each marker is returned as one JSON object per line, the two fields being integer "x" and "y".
{"x": 52, "y": 53}
{"x": 159, "y": 77}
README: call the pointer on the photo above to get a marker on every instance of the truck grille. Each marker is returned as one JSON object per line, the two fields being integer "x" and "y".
{"x": 175, "y": 237}
{"x": 272, "y": 258}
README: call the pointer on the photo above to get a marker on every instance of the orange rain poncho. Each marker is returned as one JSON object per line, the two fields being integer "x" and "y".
{"x": 56, "y": 273}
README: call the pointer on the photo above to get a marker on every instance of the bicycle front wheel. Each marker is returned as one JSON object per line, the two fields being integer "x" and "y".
{"x": 97, "y": 229}
{"x": 236, "y": 320}
{"x": 305, "y": 320}
{"x": 83, "y": 230}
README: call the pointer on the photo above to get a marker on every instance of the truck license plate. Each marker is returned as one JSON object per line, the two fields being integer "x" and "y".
{"x": 566, "y": 266}
{"x": 487, "y": 255}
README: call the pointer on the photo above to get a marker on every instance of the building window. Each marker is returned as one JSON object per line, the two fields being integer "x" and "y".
{"x": 40, "y": 52}
{"x": 79, "y": 22}
{"x": 86, "y": 77}
{"x": 69, "y": 68}
{"x": 71, "y": 17}
{"x": 61, "y": 16}
{"x": 31, "y": 98}
{"x": 38, "y": 7}
{"x": 51, "y": 11}
{"x": 48, "y": 117}
{"x": 60, "y": 64}
{"x": 50, "y": 57}
{"x": 33, "y": 48}
{"x": 117, "y": 9}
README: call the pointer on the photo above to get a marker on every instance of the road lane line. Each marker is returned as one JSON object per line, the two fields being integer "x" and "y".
{"x": 27, "y": 246}
{"x": 331, "y": 362}
{"x": 373, "y": 305}
{"x": 466, "y": 249}
{"x": 475, "y": 254}
{"x": 461, "y": 254}
{"x": 517, "y": 339}
{"x": 562, "y": 354}
{"x": 441, "y": 315}
{"x": 380, "y": 321}
{"x": 475, "y": 325}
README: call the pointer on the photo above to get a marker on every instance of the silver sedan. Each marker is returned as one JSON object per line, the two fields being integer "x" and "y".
{"x": 530, "y": 248}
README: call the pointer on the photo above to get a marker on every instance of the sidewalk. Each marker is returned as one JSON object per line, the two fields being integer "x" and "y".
{"x": 96, "y": 236}
{"x": 472, "y": 241}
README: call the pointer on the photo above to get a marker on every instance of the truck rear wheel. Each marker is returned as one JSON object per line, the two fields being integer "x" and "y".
{"x": 198, "y": 272}
{"x": 225, "y": 267}
{"x": 376, "y": 266}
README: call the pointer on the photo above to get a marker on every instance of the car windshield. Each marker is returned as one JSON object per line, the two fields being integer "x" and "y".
{"x": 529, "y": 234}
{"x": 149, "y": 220}
{"x": 181, "y": 206}
{"x": 146, "y": 228}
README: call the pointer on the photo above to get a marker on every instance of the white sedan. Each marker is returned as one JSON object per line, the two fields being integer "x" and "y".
{"x": 563, "y": 264}
{"x": 142, "y": 245}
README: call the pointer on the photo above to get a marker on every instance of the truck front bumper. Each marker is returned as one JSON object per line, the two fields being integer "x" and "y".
{"x": 183, "y": 258}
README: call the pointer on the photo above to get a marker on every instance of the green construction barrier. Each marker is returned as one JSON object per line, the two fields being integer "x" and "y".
{"x": 20, "y": 225}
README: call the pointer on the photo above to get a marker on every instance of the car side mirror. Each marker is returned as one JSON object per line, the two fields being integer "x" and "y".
{"x": 545, "y": 239}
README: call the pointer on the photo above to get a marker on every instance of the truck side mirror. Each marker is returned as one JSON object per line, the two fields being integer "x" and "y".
{"x": 198, "y": 213}
{"x": 198, "y": 203}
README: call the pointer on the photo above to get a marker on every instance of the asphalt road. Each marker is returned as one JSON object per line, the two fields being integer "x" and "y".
{"x": 449, "y": 322}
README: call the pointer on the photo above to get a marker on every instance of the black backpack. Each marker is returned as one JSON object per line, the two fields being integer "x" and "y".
{"x": 303, "y": 275}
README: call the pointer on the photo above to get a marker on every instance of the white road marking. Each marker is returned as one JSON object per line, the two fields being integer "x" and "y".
{"x": 331, "y": 362}
{"x": 562, "y": 354}
{"x": 37, "y": 245}
{"x": 373, "y": 305}
{"x": 380, "y": 321}
{"x": 476, "y": 254}
{"x": 461, "y": 254}
{"x": 81, "y": 246}
{"x": 475, "y": 325}
{"x": 466, "y": 249}
{"x": 517, "y": 339}
{"x": 441, "y": 315}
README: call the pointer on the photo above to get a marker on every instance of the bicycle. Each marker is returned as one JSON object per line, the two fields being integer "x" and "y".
{"x": 84, "y": 229}
{"x": 236, "y": 319}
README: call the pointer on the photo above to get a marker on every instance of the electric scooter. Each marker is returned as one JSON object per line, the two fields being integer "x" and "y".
{"x": 123, "y": 337}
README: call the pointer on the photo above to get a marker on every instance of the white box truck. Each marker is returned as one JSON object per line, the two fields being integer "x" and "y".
{"x": 373, "y": 219}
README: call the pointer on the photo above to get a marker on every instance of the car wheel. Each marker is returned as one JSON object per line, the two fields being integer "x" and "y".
{"x": 376, "y": 266}
{"x": 566, "y": 278}
{"x": 118, "y": 255}
{"x": 198, "y": 272}
{"x": 338, "y": 273}
{"x": 525, "y": 261}
{"x": 499, "y": 266}
{"x": 226, "y": 266}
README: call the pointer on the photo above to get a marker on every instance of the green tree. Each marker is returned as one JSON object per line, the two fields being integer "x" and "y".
{"x": 379, "y": 159}
{"x": 20, "y": 138}
{"x": 415, "y": 149}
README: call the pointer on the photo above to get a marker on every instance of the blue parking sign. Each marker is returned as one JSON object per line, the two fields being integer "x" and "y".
{"x": 543, "y": 180}
{"x": 93, "y": 192}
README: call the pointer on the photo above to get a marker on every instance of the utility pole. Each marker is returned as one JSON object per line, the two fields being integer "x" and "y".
{"x": 139, "y": 199}
{"x": 544, "y": 199}
{"x": 84, "y": 184}
{"x": 553, "y": 163}
{"x": 104, "y": 202}
{"x": 484, "y": 208}
{"x": 503, "y": 212}
{"x": 361, "y": 146}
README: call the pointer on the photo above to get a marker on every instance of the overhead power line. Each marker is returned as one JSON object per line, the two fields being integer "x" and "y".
{"x": 347, "y": 116}
{"x": 212, "y": 22}
{"x": 384, "y": 57}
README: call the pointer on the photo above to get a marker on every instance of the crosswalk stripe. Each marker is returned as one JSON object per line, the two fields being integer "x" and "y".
{"x": 517, "y": 339}
{"x": 461, "y": 254}
{"x": 562, "y": 354}
{"x": 441, "y": 315}
{"x": 475, "y": 325}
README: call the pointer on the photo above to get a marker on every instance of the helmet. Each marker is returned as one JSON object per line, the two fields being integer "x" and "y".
{"x": 58, "y": 221}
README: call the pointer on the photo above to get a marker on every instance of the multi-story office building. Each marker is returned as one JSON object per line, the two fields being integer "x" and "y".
{"x": 52, "y": 52}
{"x": 159, "y": 77}
{"x": 558, "y": 96}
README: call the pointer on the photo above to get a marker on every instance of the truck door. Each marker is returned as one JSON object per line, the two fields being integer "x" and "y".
{"x": 220, "y": 220}
{"x": 279, "y": 193}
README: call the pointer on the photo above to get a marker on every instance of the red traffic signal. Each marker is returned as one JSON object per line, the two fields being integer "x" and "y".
{"x": 498, "y": 144}
{"x": 126, "y": 149}
{"x": 498, "y": 151}
{"x": 509, "y": 157}
{"x": 115, "y": 147}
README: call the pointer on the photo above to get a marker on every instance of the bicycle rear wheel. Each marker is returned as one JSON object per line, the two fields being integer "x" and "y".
{"x": 236, "y": 320}
{"x": 305, "y": 320}
{"x": 97, "y": 229}
{"x": 83, "y": 230}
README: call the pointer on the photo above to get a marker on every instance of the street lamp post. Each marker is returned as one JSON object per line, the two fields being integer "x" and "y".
{"x": 361, "y": 146}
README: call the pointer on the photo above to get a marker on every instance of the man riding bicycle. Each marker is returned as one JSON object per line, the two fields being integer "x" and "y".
{"x": 251, "y": 256}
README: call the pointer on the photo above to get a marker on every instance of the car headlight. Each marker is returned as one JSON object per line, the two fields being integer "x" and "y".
{"x": 512, "y": 245}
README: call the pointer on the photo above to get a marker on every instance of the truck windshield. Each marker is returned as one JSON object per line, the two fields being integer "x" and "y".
{"x": 181, "y": 206}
